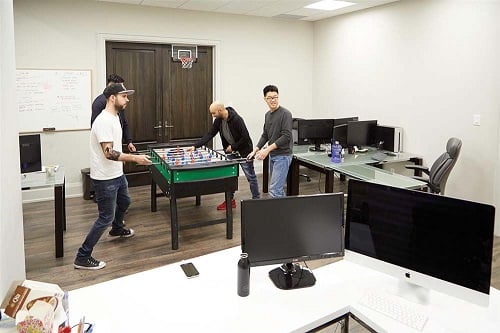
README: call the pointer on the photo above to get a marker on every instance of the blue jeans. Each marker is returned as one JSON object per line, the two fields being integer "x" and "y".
{"x": 249, "y": 172}
{"x": 278, "y": 170}
{"x": 113, "y": 201}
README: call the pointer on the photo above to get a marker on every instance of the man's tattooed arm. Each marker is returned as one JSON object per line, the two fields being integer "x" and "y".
{"x": 109, "y": 152}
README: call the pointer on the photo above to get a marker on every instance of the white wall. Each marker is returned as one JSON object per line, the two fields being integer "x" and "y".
{"x": 11, "y": 215}
{"x": 253, "y": 52}
{"x": 427, "y": 66}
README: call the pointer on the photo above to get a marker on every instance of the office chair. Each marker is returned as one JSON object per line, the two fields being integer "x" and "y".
{"x": 438, "y": 174}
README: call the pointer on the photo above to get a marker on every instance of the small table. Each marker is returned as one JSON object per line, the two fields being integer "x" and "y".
{"x": 35, "y": 180}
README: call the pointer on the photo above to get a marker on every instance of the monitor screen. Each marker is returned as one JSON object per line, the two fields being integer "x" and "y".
{"x": 315, "y": 131}
{"x": 361, "y": 133}
{"x": 342, "y": 121}
{"x": 427, "y": 235}
{"x": 340, "y": 129}
{"x": 30, "y": 153}
{"x": 292, "y": 229}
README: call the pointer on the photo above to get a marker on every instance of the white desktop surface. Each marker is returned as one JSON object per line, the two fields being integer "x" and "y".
{"x": 164, "y": 299}
{"x": 40, "y": 179}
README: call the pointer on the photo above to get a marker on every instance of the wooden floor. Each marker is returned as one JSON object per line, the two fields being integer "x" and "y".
{"x": 151, "y": 246}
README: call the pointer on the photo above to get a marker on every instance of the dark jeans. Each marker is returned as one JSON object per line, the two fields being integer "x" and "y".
{"x": 113, "y": 201}
{"x": 249, "y": 172}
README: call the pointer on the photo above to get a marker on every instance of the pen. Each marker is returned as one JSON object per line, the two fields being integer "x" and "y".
{"x": 65, "y": 304}
{"x": 81, "y": 324}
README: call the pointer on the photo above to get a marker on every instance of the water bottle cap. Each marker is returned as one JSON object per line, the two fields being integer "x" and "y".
{"x": 244, "y": 255}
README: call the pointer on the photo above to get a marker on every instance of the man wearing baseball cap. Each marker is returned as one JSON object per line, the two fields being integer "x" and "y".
{"x": 99, "y": 104}
{"x": 106, "y": 172}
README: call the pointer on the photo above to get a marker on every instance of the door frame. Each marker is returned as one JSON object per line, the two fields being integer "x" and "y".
{"x": 102, "y": 38}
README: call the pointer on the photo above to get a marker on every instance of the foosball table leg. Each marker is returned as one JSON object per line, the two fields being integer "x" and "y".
{"x": 153, "y": 196}
{"x": 174, "y": 226}
{"x": 198, "y": 200}
{"x": 229, "y": 216}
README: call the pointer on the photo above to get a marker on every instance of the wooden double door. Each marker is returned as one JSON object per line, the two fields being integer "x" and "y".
{"x": 170, "y": 103}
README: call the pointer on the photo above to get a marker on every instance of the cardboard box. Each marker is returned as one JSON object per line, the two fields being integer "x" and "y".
{"x": 22, "y": 295}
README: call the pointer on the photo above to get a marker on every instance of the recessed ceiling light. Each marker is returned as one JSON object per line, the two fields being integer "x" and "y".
{"x": 329, "y": 5}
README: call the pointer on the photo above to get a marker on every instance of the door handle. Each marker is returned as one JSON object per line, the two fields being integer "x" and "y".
{"x": 167, "y": 125}
{"x": 159, "y": 125}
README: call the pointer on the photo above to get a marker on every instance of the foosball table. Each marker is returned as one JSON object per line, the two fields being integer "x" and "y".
{"x": 181, "y": 174}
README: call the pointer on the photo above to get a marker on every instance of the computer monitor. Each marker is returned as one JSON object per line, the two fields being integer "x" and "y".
{"x": 342, "y": 121}
{"x": 30, "y": 153}
{"x": 361, "y": 133}
{"x": 340, "y": 129}
{"x": 425, "y": 240}
{"x": 315, "y": 131}
{"x": 288, "y": 230}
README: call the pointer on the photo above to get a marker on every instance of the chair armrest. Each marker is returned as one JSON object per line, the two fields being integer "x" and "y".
{"x": 422, "y": 179}
{"x": 418, "y": 168}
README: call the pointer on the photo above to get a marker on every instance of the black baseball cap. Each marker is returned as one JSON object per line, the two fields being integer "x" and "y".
{"x": 115, "y": 89}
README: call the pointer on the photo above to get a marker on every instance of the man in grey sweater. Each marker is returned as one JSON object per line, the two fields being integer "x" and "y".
{"x": 277, "y": 134}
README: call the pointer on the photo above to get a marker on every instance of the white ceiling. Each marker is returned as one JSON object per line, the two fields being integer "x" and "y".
{"x": 287, "y": 9}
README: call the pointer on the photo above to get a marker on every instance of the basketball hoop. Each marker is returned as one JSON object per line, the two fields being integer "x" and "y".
{"x": 185, "y": 54}
{"x": 186, "y": 62}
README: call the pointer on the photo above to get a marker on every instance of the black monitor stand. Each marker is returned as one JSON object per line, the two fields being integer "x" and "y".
{"x": 317, "y": 147}
{"x": 292, "y": 276}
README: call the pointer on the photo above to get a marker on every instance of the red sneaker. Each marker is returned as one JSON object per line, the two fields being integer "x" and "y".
{"x": 222, "y": 206}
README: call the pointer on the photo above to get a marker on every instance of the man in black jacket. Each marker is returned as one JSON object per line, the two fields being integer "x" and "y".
{"x": 235, "y": 139}
{"x": 99, "y": 104}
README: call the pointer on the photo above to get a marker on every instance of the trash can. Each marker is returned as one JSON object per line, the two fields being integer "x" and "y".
{"x": 88, "y": 186}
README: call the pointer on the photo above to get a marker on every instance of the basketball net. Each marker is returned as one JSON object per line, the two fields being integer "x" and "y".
{"x": 187, "y": 62}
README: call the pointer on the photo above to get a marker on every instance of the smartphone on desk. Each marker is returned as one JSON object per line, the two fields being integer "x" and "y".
{"x": 190, "y": 270}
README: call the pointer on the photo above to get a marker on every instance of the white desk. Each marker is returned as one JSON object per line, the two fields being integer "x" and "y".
{"x": 163, "y": 299}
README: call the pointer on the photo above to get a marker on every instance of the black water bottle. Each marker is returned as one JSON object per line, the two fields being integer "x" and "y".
{"x": 243, "y": 275}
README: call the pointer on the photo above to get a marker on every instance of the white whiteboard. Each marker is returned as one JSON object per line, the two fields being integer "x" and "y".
{"x": 54, "y": 100}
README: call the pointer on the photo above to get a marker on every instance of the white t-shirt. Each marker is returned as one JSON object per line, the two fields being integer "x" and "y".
{"x": 106, "y": 128}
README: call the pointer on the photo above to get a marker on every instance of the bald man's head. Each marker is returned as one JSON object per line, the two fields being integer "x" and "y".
{"x": 217, "y": 110}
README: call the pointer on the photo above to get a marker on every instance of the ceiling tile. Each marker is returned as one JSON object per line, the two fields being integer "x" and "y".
{"x": 164, "y": 3}
{"x": 242, "y": 6}
{"x": 290, "y": 9}
{"x": 204, "y": 5}
{"x": 132, "y": 2}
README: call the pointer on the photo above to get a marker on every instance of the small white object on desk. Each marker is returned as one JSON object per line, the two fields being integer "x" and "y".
{"x": 357, "y": 150}
{"x": 50, "y": 170}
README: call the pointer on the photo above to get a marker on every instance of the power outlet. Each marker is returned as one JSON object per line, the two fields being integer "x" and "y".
{"x": 476, "y": 120}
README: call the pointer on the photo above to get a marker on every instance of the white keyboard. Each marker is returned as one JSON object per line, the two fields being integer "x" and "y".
{"x": 397, "y": 308}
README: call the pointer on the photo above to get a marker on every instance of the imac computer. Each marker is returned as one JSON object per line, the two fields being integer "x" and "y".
{"x": 30, "y": 153}
{"x": 427, "y": 241}
{"x": 315, "y": 131}
{"x": 361, "y": 133}
{"x": 340, "y": 129}
{"x": 289, "y": 230}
